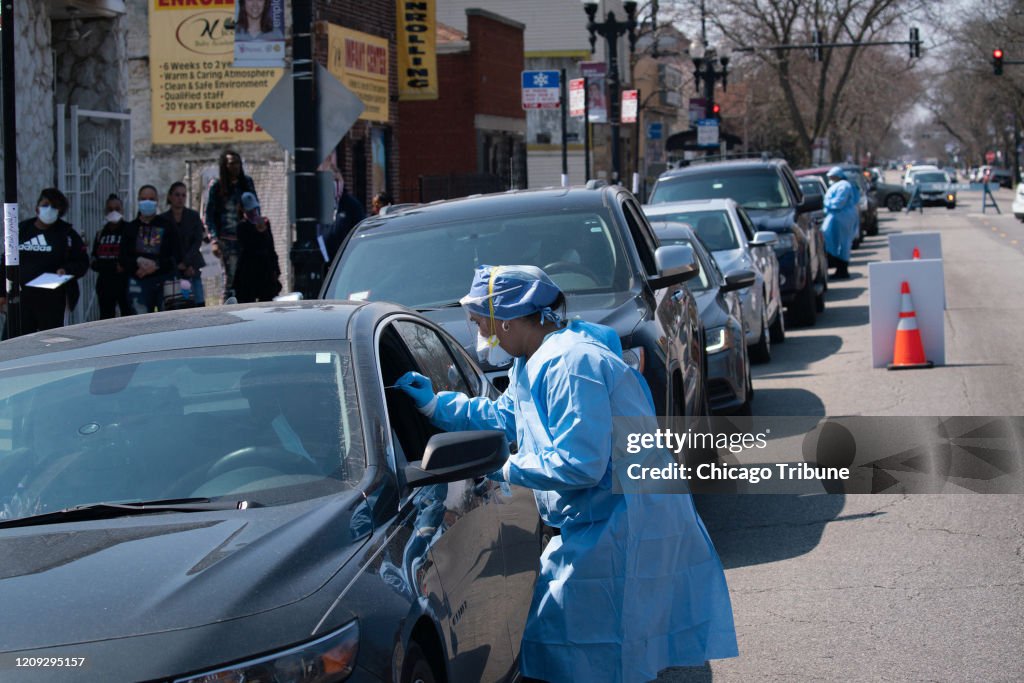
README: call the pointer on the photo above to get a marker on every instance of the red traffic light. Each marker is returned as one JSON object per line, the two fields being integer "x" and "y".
{"x": 716, "y": 109}
{"x": 997, "y": 54}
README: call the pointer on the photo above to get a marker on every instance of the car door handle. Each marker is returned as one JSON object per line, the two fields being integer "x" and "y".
{"x": 677, "y": 295}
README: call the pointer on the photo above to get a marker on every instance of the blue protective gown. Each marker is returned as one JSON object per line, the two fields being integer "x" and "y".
{"x": 633, "y": 583}
{"x": 842, "y": 220}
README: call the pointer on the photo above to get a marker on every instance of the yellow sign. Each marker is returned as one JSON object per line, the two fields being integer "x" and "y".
{"x": 196, "y": 94}
{"x": 417, "y": 50}
{"x": 360, "y": 62}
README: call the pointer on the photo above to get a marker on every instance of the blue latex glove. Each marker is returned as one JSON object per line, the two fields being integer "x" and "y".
{"x": 419, "y": 388}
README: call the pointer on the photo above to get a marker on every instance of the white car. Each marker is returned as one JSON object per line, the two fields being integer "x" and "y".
{"x": 729, "y": 234}
{"x": 908, "y": 177}
{"x": 1018, "y": 203}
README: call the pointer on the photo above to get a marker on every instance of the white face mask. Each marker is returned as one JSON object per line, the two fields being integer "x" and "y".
{"x": 48, "y": 214}
{"x": 113, "y": 217}
{"x": 488, "y": 351}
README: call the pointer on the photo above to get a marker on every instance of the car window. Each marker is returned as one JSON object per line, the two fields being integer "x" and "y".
{"x": 266, "y": 423}
{"x": 645, "y": 242}
{"x": 748, "y": 226}
{"x": 713, "y": 227}
{"x": 930, "y": 177}
{"x": 433, "y": 357}
{"x": 811, "y": 187}
{"x": 432, "y": 265}
{"x": 703, "y": 279}
{"x": 751, "y": 188}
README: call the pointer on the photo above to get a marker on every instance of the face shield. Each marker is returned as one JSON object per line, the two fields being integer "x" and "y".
{"x": 481, "y": 322}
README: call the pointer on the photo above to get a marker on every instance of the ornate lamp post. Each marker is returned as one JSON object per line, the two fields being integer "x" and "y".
{"x": 611, "y": 29}
{"x": 705, "y": 61}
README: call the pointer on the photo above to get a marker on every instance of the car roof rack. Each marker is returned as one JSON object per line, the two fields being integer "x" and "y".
{"x": 732, "y": 156}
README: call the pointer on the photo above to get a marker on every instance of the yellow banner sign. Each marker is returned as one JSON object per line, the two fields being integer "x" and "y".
{"x": 196, "y": 94}
{"x": 417, "y": 50}
{"x": 360, "y": 62}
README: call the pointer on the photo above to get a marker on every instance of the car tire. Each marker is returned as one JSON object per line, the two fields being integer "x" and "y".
{"x": 761, "y": 351}
{"x": 951, "y": 206}
{"x": 894, "y": 202}
{"x": 777, "y": 331}
{"x": 805, "y": 307}
{"x": 416, "y": 668}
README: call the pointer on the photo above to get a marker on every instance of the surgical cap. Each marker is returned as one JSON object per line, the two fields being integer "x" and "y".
{"x": 836, "y": 172}
{"x": 509, "y": 292}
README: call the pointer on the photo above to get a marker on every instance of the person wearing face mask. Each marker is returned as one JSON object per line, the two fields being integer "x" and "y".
{"x": 259, "y": 271}
{"x": 150, "y": 254}
{"x": 632, "y": 584}
{"x": 189, "y": 226}
{"x": 46, "y": 244}
{"x": 111, "y": 278}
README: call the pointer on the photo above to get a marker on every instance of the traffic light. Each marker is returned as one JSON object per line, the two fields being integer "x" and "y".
{"x": 997, "y": 61}
{"x": 818, "y": 52}
{"x": 716, "y": 111}
{"x": 915, "y": 43}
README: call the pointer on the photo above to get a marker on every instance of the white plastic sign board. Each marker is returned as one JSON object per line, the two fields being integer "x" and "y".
{"x": 541, "y": 90}
{"x": 629, "y": 106}
{"x": 11, "y": 235}
{"x": 707, "y": 133}
{"x": 577, "y": 97}
{"x": 927, "y": 293}
{"x": 901, "y": 246}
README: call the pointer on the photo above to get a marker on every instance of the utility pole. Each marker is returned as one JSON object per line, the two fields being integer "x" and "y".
{"x": 307, "y": 261}
{"x": 11, "y": 256}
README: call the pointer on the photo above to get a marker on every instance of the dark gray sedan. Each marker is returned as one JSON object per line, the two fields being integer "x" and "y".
{"x": 235, "y": 493}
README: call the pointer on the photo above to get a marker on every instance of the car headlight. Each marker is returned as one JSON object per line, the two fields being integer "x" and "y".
{"x": 786, "y": 242}
{"x": 634, "y": 358}
{"x": 325, "y": 660}
{"x": 718, "y": 339}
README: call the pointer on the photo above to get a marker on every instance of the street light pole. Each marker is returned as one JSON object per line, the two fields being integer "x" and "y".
{"x": 611, "y": 29}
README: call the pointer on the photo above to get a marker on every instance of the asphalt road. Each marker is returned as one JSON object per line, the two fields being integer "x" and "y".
{"x": 926, "y": 587}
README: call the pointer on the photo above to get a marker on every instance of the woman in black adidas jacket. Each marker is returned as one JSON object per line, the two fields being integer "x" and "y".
{"x": 46, "y": 244}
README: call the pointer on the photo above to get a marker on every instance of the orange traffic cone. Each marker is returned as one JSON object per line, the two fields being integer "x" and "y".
{"x": 908, "y": 352}
{"x": 917, "y": 253}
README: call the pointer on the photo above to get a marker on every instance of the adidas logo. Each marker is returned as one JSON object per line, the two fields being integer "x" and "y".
{"x": 37, "y": 243}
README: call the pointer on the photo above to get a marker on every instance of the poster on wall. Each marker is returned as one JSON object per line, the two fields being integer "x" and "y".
{"x": 259, "y": 33}
{"x": 417, "y": 49}
{"x": 360, "y": 62}
{"x": 597, "y": 103}
{"x": 197, "y": 94}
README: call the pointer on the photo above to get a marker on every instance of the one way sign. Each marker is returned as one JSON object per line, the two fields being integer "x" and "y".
{"x": 541, "y": 90}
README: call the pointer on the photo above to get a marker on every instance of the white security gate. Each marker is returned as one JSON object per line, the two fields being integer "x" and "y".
{"x": 94, "y": 160}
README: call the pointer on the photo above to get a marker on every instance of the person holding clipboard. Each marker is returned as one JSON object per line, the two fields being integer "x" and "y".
{"x": 52, "y": 253}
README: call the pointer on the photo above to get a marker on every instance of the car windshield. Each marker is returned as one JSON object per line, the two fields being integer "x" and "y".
{"x": 713, "y": 227}
{"x": 699, "y": 283}
{"x": 433, "y": 265}
{"x": 752, "y": 189}
{"x": 810, "y": 187}
{"x": 266, "y": 423}
{"x": 930, "y": 178}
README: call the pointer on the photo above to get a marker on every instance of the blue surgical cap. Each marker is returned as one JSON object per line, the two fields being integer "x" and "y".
{"x": 510, "y": 292}
{"x": 836, "y": 172}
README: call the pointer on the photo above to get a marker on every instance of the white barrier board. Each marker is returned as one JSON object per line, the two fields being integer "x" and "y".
{"x": 901, "y": 246}
{"x": 927, "y": 291}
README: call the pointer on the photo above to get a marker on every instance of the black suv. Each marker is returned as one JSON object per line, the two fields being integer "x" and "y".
{"x": 770, "y": 193}
{"x": 595, "y": 244}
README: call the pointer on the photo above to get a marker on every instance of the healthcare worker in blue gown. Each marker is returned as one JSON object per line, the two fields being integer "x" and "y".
{"x": 842, "y": 221}
{"x": 632, "y": 585}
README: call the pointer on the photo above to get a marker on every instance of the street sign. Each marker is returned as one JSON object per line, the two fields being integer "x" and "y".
{"x": 577, "y": 99}
{"x": 629, "y": 106}
{"x": 990, "y": 157}
{"x": 707, "y": 133}
{"x": 541, "y": 90}
{"x": 338, "y": 108}
{"x": 654, "y": 130}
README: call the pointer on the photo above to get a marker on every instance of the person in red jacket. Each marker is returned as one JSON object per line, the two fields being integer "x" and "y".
{"x": 46, "y": 244}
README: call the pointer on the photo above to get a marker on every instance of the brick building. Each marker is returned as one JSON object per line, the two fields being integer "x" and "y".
{"x": 473, "y": 137}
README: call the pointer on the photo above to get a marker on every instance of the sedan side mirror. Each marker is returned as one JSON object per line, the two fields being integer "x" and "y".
{"x": 676, "y": 263}
{"x": 811, "y": 202}
{"x": 739, "y": 279}
{"x": 454, "y": 456}
{"x": 764, "y": 238}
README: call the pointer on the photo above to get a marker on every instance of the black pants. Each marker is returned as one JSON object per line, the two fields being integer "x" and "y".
{"x": 42, "y": 309}
{"x": 112, "y": 295}
{"x": 841, "y": 266}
